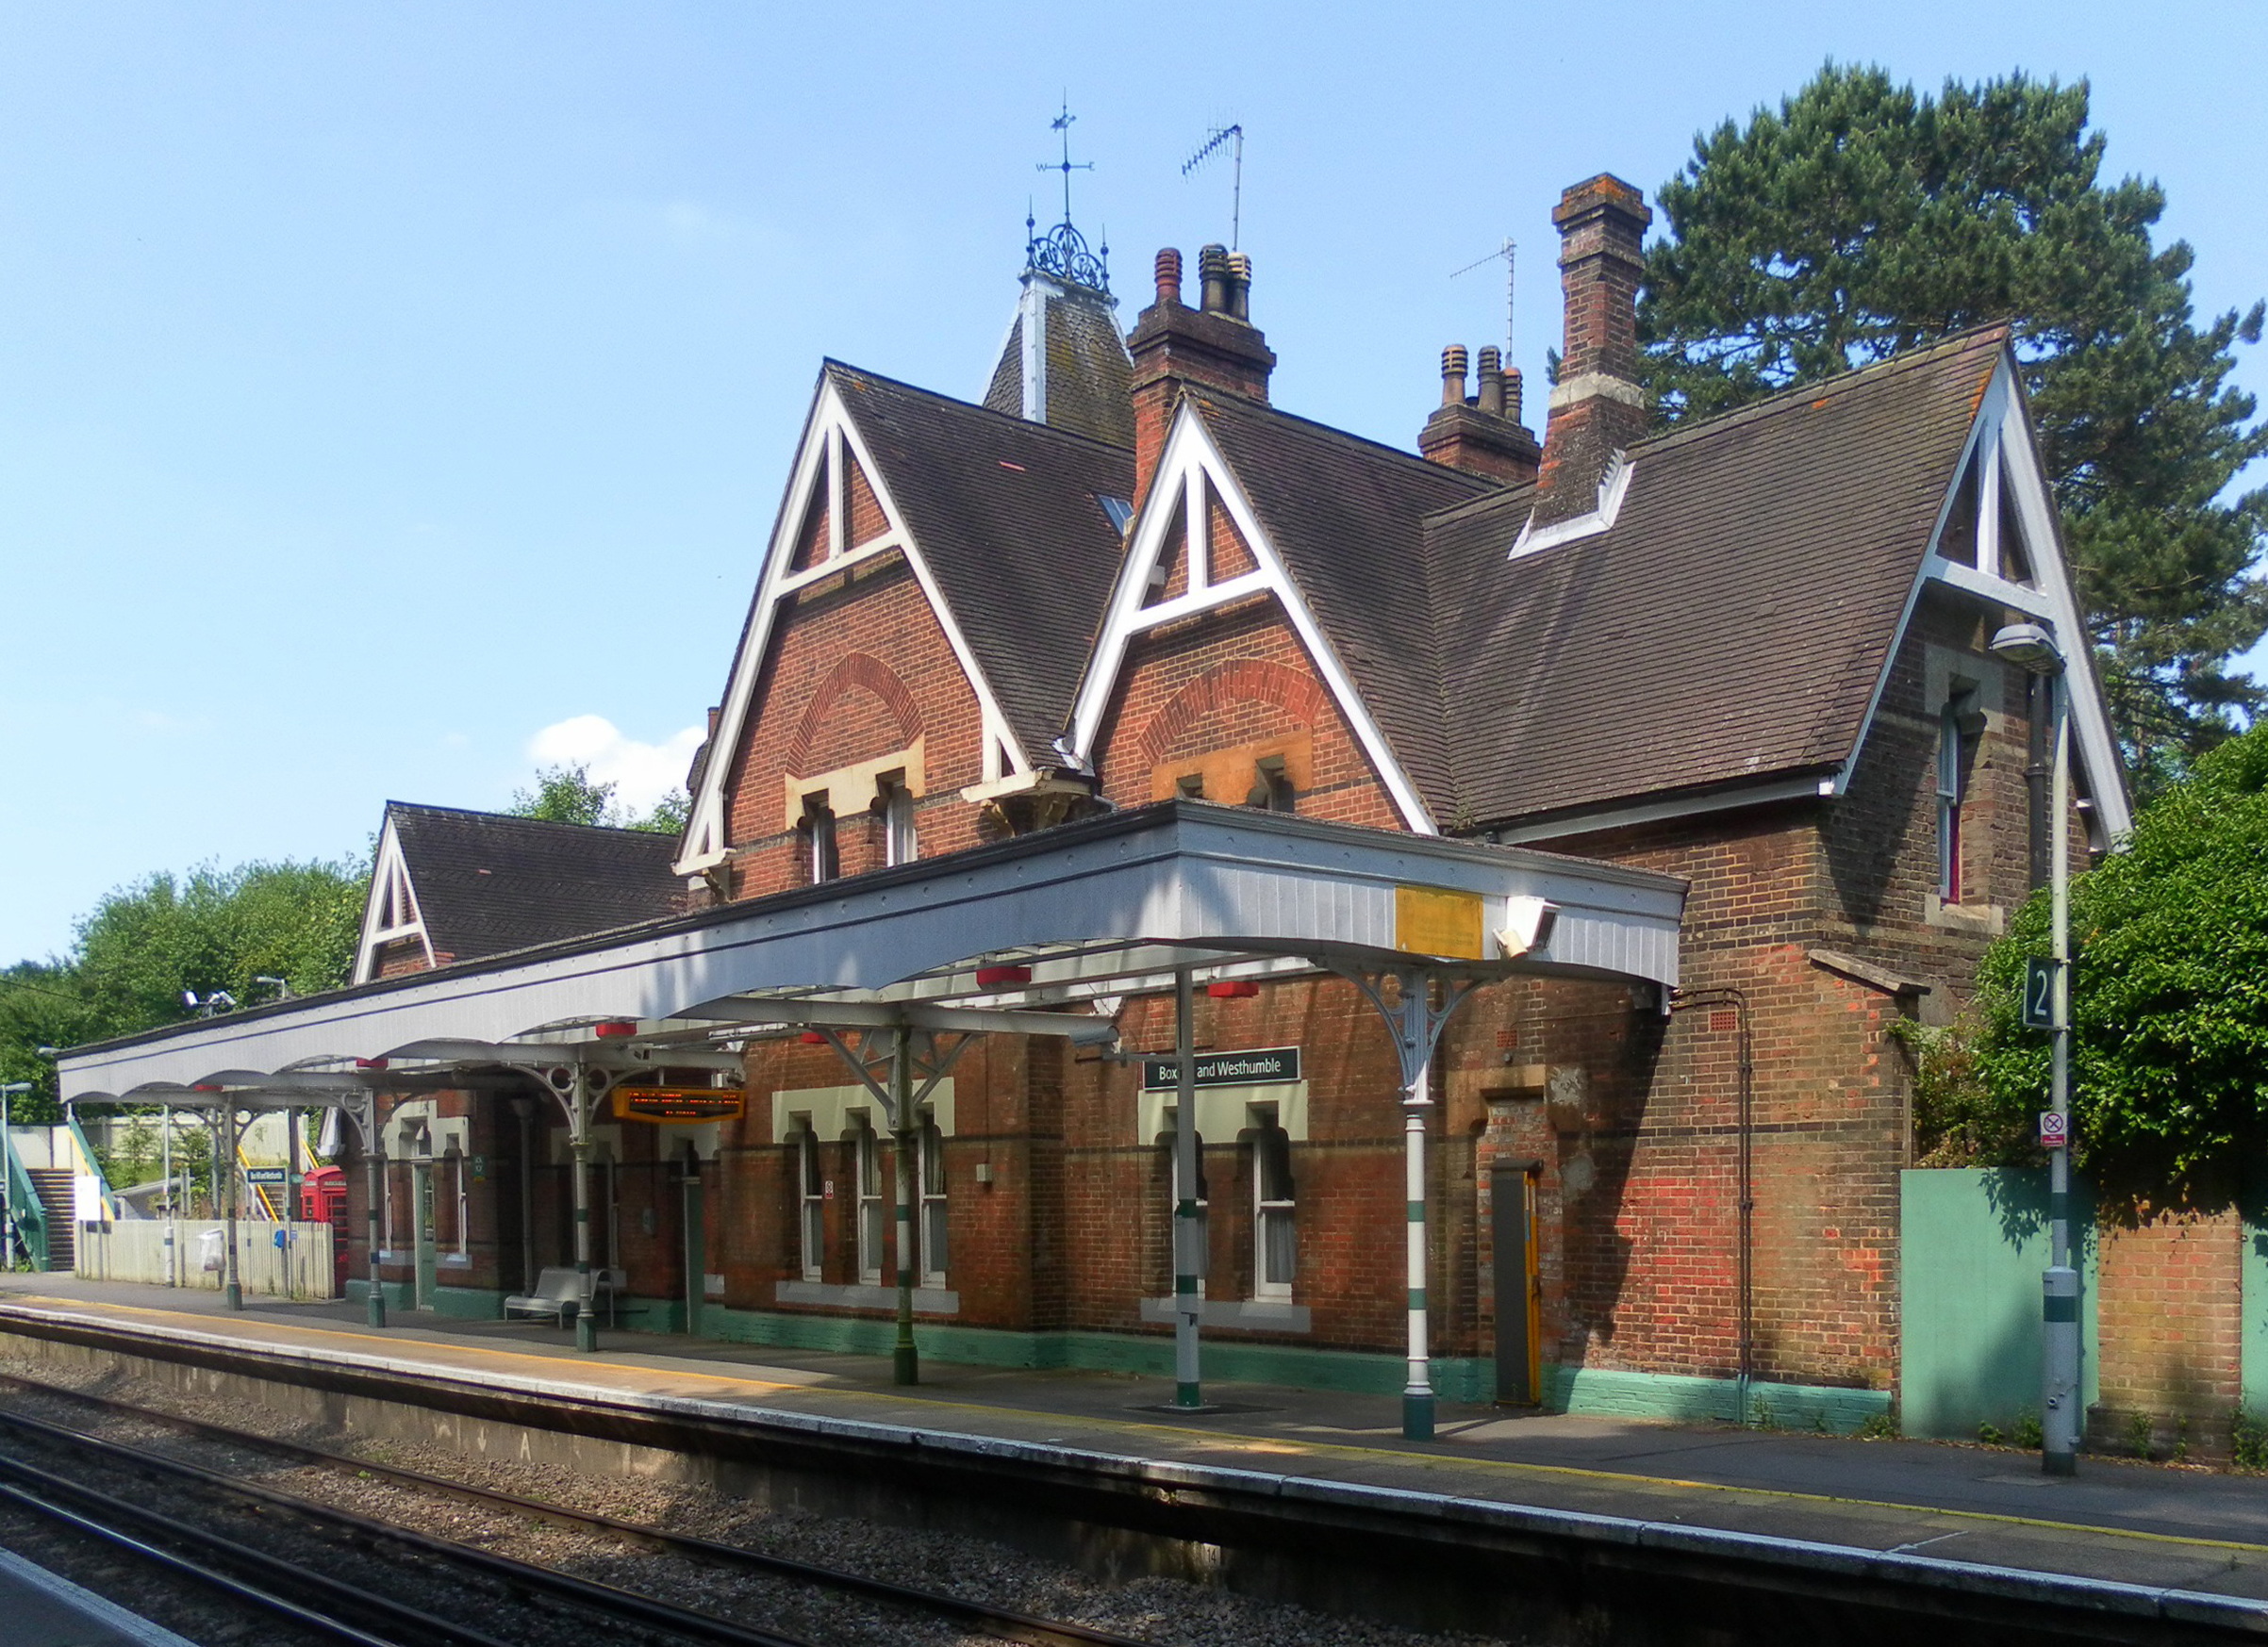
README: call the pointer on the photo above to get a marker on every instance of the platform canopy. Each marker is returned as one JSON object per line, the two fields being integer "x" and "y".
{"x": 1002, "y": 938}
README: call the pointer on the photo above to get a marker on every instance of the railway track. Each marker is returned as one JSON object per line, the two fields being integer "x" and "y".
{"x": 538, "y": 1601}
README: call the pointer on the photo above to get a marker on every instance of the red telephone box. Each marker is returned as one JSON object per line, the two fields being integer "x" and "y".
{"x": 322, "y": 1200}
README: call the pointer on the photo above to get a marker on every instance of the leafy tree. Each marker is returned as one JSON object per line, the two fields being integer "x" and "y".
{"x": 568, "y": 793}
{"x": 565, "y": 795}
{"x": 1860, "y": 219}
{"x": 2169, "y": 989}
{"x": 148, "y": 943}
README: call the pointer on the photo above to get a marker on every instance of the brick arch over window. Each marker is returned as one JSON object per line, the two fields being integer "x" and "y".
{"x": 857, "y": 669}
{"x": 1225, "y": 685}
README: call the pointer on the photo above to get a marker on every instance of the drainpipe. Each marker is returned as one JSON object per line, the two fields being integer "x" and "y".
{"x": 1745, "y": 1237}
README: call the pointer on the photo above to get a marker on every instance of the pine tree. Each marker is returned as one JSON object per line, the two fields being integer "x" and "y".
{"x": 1861, "y": 219}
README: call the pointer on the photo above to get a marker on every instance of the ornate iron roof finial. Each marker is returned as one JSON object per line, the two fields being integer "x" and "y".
{"x": 1062, "y": 250}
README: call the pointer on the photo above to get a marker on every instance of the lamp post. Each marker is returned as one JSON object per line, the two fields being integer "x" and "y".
{"x": 9, "y": 1092}
{"x": 2032, "y": 647}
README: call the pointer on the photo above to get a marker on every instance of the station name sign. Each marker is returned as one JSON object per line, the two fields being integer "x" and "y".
{"x": 1263, "y": 1067}
{"x": 679, "y": 1105}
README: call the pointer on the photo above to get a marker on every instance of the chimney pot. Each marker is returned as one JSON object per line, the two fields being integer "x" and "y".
{"x": 1492, "y": 381}
{"x": 1512, "y": 394}
{"x": 1169, "y": 274}
{"x": 1452, "y": 375}
{"x": 1212, "y": 272}
{"x": 1240, "y": 286}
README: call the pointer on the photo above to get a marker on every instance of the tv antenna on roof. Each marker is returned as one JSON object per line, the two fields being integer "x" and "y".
{"x": 1232, "y": 138}
{"x": 1509, "y": 251}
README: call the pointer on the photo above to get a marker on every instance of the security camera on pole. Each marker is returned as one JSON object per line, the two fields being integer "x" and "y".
{"x": 2033, "y": 646}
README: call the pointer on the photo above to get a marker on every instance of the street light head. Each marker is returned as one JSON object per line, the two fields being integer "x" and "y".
{"x": 2030, "y": 646}
{"x": 14, "y": 1089}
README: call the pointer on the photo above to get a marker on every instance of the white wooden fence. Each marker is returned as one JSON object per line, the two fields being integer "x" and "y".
{"x": 134, "y": 1250}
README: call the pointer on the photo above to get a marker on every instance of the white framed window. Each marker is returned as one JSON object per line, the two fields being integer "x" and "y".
{"x": 934, "y": 1208}
{"x": 1954, "y": 735}
{"x": 900, "y": 844}
{"x": 1275, "y": 1228}
{"x": 464, "y": 1204}
{"x": 873, "y": 1210}
{"x": 811, "y": 1205}
{"x": 822, "y": 857}
{"x": 1204, "y": 1213}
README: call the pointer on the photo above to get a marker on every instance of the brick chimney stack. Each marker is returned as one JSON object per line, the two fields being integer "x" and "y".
{"x": 1212, "y": 347}
{"x": 1597, "y": 408}
{"x": 1476, "y": 435}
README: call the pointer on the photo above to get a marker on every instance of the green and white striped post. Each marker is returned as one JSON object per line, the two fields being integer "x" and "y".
{"x": 905, "y": 1361}
{"x": 1188, "y": 1231}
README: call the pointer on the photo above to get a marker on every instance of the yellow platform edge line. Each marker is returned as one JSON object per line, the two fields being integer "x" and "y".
{"x": 1308, "y": 1448}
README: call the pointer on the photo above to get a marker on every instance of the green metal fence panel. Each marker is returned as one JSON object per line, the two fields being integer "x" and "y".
{"x": 1973, "y": 1244}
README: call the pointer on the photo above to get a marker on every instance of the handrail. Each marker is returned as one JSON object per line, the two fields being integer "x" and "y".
{"x": 24, "y": 1201}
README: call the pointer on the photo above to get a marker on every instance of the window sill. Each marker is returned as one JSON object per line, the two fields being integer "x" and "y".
{"x": 1250, "y": 1314}
{"x": 927, "y": 1300}
{"x": 1988, "y": 919}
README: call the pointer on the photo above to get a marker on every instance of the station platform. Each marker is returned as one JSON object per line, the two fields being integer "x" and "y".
{"x": 44, "y": 1610}
{"x": 2127, "y": 1522}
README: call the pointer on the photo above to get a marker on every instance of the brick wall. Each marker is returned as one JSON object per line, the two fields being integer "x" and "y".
{"x": 2171, "y": 1325}
{"x": 1235, "y": 676}
{"x": 859, "y": 667}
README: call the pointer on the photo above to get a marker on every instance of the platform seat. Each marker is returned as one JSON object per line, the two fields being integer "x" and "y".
{"x": 558, "y": 1294}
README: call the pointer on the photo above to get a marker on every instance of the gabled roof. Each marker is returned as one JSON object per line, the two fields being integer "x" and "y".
{"x": 1731, "y": 622}
{"x": 1348, "y": 517}
{"x": 486, "y": 883}
{"x": 1010, "y": 519}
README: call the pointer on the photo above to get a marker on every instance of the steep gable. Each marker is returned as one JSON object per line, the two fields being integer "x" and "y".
{"x": 1006, "y": 532}
{"x": 1723, "y": 622}
{"x": 467, "y": 886}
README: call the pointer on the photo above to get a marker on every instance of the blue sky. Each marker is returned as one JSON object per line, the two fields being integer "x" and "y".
{"x": 394, "y": 397}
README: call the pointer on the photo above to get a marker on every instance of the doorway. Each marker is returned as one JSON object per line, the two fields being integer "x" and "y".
{"x": 1519, "y": 1285}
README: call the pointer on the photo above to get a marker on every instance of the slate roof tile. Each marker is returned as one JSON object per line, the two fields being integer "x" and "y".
{"x": 1009, "y": 518}
{"x": 486, "y": 883}
{"x": 1731, "y": 626}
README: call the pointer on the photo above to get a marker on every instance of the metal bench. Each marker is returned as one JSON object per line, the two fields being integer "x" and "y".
{"x": 558, "y": 1294}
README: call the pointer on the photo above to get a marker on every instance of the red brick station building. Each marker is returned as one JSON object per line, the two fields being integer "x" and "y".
{"x": 1687, "y": 751}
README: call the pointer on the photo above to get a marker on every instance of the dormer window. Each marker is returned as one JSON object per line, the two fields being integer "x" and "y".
{"x": 1271, "y": 788}
{"x": 822, "y": 857}
{"x": 895, "y": 801}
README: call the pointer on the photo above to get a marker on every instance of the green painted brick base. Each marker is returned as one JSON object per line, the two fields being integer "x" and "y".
{"x": 458, "y": 1303}
{"x": 1663, "y": 1395}
{"x": 1469, "y": 1379}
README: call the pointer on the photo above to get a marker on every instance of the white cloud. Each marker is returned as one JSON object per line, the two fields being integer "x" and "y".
{"x": 641, "y": 773}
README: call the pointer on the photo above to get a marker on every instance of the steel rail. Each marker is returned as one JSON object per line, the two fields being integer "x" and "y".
{"x": 627, "y": 1607}
{"x": 1001, "y": 1622}
{"x": 422, "y": 1627}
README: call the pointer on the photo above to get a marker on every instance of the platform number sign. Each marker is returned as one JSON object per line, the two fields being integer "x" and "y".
{"x": 2038, "y": 994}
{"x": 2055, "y": 1130}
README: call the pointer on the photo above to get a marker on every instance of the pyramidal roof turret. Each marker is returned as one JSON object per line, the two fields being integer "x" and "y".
{"x": 1064, "y": 362}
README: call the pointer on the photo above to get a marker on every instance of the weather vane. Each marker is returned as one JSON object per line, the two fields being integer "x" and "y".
{"x": 1062, "y": 250}
{"x": 1062, "y": 123}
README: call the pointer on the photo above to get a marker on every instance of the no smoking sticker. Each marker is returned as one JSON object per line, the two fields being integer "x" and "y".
{"x": 2054, "y": 1131}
